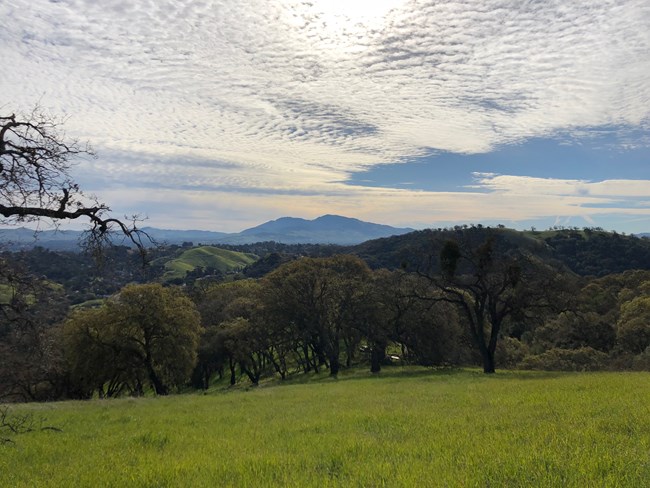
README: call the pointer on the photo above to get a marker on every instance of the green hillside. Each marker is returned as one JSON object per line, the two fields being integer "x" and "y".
{"x": 221, "y": 260}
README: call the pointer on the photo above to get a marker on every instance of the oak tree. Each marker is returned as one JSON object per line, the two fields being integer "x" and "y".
{"x": 491, "y": 282}
{"x": 144, "y": 333}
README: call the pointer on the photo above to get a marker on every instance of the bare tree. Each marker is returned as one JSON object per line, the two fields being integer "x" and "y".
{"x": 36, "y": 185}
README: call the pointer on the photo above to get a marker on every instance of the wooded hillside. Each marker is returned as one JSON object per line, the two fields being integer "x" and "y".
{"x": 559, "y": 299}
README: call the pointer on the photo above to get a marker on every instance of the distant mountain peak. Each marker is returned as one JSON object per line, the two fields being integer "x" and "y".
{"x": 326, "y": 229}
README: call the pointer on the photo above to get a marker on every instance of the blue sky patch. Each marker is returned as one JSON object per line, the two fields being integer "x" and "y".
{"x": 599, "y": 155}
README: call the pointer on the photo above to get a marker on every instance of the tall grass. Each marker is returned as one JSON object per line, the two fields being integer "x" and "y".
{"x": 404, "y": 427}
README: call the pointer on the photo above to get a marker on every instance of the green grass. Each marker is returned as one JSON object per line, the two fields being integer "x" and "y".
{"x": 407, "y": 427}
{"x": 207, "y": 256}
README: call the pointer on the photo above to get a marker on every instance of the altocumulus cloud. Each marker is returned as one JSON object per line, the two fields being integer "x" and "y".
{"x": 261, "y": 98}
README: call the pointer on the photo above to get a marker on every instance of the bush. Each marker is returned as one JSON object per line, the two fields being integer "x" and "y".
{"x": 633, "y": 329}
{"x": 583, "y": 359}
{"x": 510, "y": 352}
{"x": 642, "y": 361}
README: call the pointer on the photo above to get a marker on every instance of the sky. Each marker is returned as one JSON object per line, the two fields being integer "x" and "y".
{"x": 220, "y": 115}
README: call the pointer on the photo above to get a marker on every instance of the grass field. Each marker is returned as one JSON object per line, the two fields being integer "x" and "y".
{"x": 406, "y": 427}
{"x": 207, "y": 256}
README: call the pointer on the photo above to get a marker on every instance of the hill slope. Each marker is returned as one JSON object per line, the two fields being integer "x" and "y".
{"x": 587, "y": 252}
{"x": 206, "y": 257}
{"x": 406, "y": 427}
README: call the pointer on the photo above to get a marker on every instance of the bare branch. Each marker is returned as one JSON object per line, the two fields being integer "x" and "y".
{"x": 35, "y": 181}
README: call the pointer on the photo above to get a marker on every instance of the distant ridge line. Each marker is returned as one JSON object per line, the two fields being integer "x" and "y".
{"x": 326, "y": 229}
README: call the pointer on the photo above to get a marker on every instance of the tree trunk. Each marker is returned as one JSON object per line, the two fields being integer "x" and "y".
{"x": 253, "y": 377}
{"x": 233, "y": 376}
{"x": 307, "y": 363}
{"x": 278, "y": 366}
{"x": 377, "y": 355}
{"x": 488, "y": 361}
{"x": 334, "y": 365}
{"x": 156, "y": 382}
{"x": 158, "y": 386}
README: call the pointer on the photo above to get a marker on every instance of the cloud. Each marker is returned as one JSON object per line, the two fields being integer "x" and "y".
{"x": 225, "y": 77}
{"x": 496, "y": 198}
{"x": 223, "y": 98}
{"x": 526, "y": 185}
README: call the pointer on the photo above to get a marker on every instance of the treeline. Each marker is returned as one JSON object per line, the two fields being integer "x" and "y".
{"x": 475, "y": 296}
{"x": 586, "y": 252}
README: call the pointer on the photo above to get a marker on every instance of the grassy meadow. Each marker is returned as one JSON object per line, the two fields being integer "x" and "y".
{"x": 206, "y": 256}
{"x": 404, "y": 427}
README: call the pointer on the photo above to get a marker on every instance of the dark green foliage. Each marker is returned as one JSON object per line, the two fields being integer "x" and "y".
{"x": 510, "y": 352}
{"x": 82, "y": 277}
{"x": 491, "y": 283}
{"x": 422, "y": 249}
{"x": 449, "y": 257}
{"x": 607, "y": 314}
{"x": 146, "y": 334}
{"x": 633, "y": 327}
{"x": 599, "y": 253}
{"x": 583, "y": 359}
{"x": 266, "y": 264}
{"x": 588, "y": 252}
{"x": 426, "y": 332}
{"x": 31, "y": 365}
{"x": 325, "y": 303}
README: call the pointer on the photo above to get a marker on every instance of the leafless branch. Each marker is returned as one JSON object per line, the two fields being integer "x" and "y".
{"x": 35, "y": 181}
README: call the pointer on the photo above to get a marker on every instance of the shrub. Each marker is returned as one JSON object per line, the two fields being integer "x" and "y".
{"x": 583, "y": 359}
{"x": 510, "y": 352}
{"x": 642, "y": 361}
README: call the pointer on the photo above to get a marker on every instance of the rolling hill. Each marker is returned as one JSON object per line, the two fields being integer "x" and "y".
{"x": 585, "y": 252}
{"x": 207, "y": 257}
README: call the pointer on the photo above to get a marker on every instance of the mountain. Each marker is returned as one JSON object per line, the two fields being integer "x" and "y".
{"x": 179, "y": 236}
{"x": 68, "y": 240}
{"x": 328, "y": 229}
{"x": 24, "y": 238}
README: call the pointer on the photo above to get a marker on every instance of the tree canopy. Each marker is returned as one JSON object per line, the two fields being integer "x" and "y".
{"x": 144, "y": 334}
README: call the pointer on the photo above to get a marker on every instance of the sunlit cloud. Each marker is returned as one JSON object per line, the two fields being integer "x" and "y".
{"x": 525, "y": 185}
{"x": 270, "y": 105}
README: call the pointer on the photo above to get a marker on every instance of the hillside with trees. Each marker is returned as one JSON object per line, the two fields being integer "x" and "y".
{"x": 447, "y": 297}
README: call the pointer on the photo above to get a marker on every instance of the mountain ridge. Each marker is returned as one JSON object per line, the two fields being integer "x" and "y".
{"x": 326, "y": 229}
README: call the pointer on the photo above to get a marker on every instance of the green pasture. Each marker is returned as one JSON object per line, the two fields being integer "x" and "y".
{"x": 207, "y": 256}
{"x": 403, "y": 427}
